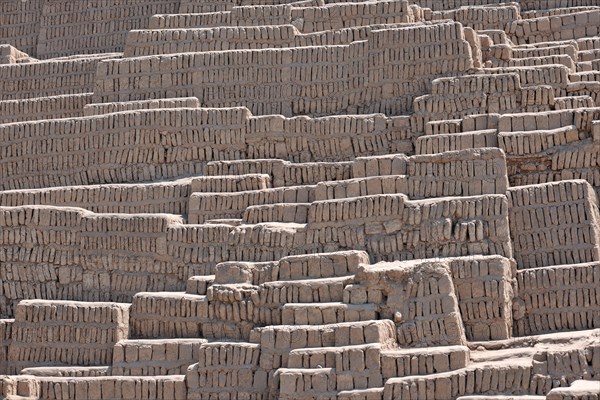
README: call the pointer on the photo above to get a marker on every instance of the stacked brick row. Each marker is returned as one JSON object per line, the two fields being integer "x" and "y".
{"x": 141, "y": 198}
{"x": 66, "y": 333}
{"x": 183, "y": 40}
{"x": 155, "y": 357}
{"x": 556, "y": 298}
{"x": 49, "y": 78}
{"x": 61, "y": 106}
{"x": 148, "y": 143}
{"x": 49, "y": 29}
{"x": 277, "y": 82}
{"x": 554, "y": 224}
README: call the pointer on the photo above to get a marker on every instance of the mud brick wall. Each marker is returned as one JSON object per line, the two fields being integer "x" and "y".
{"x": 247, "y": 273}
{"x": 397, "y": 73}
{"x": 201, "y": 248}
{"x": 526, "y": 143}
{"x": 269, "y": 81}
{"x": 100, "y": 388}
{"x": 260, "y": 15}
{"x": 39, "y": 256}
{"x": 508, "y": 82}
{"x": 262, "y": 243}
{"x": 345, "y": 15}
{"x": 513, "y": 377}
{"x": 279, "y": 81}
{"x": 556, "y": 11}
{"x": 557, "y": 298}
{"x": 151, "y": 42}
{"x": 356, "y": 367}
{"x": 396, "y": 363}
{"x": 296, "y": 384}
{"x": 559, "y": 27}
{"x": 458, "y": 173}
{"x": 19, "y": 24}
{"x": 218, "y": 38}
{"x": 303, "y": 139}
{"x": 479, "y": 122}
{"x": 155, "y": 357}
{"x": 75, "y": 254}
{"x": 459, "y": 97}
{"x": 297, "y": 212}
{"x": 472, "y": 173}
{"x": 433, "y": 107}
{"x": 146, "y": 143}
{"x": 106, "y": 108}
{"x": 568, "y": 364}
{"x": 578, "y": 162}
{"x": 391, "y": 227}
{"x": 237, "y": 361}
{"x": 5, "y": 338}
{"x": 336, "y": 36}
{"x": 443, "y": 127}
{"x": 439, "y": 143}
{"x": 554, "y": 223}
{"x": 584, "y": 83}
{"x": 69, "y": 253}
{"x": 373, "y": 185}
{"x": 50, "y": 333}
{"x": 566, "y": 103}
{"x": 138, "y": 261}
{"x": 565, "y": 134}
{"x": 317, "y": 266}
{"x": 578, "y": 389}
{"x": 581, "y": 119}
{"x": 122, "y": 147}
{"x": 478, "y": 17}
{"x": 203, "y": 6}
{"x": 284, "y": 173}
{"x": 538, "y": 98}
{"x": 588, "y": 43}
{"x": 197, "y": 7}
{"x": 49, "y": 78}
{"x": 271, "y": 167}
{"x": 207, "y": 206}
{"x": 164, "y": 197}
{"x": 314, "y": 172}
{"x": 277, "y": 341}
{"x": 422, "y": 304}
{"x": 485, "y": 167}
{"x": 231, "y": 183}
{"x": 438, "y": 5}
{"x": 584, "y": 76}
{"x": 549, "y": 4}
{"x": 231, "y": 311}
{"x": 54, "y": 28}
{"x": 168, "y": 315}
{"x": 307, "y": 17}
{"x": 198, "y": 284}
{"x": 272, "y": 309}
{"x": 62, "y": 106}
{"x": 238, "y": 16}
{"x": 569, "y": 48}
{"x": 564, "y": 59}
{"x": 556, "y": 76}
{"x": 70, "y": 27}
{"x": 484, "y": 290}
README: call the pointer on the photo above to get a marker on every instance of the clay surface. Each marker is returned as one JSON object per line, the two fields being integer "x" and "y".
{"x": 299, "y": 199}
